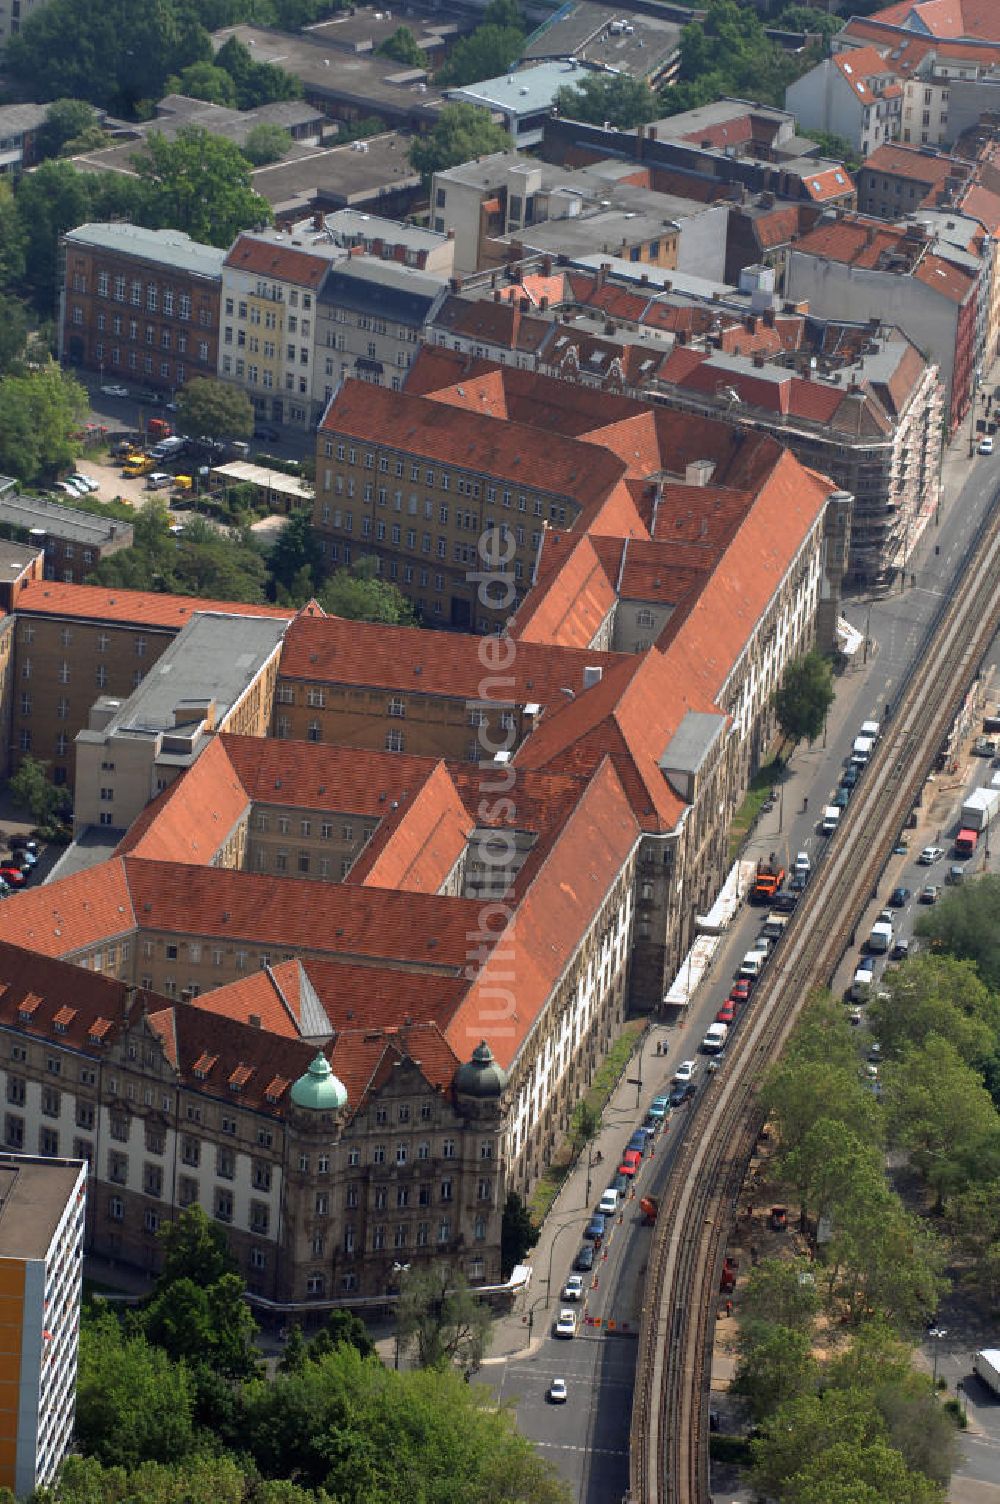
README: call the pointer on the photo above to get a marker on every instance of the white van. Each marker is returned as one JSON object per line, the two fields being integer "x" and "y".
{"x": 715, "y": 1039}
{"x": 861, "y": 985}
{"x": 775, "y": 926}
{"x": 831, "y": 819}
{"x": 862, "y": 750}
{"x": 753, "y": 965}
{"x": 881, "y": 938}
{"x": 609, "y": 1202}
{"x": 871, "y": 729}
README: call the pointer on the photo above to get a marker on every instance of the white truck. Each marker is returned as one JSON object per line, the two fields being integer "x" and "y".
{"x": 862, "y": 750}
{"x": 830, "y": 821}
{"x": 980, "y": 808}
{"x": 881, "y": 938}
{"x": 986, "y": 1365}
{"x": 715, "y": 1039}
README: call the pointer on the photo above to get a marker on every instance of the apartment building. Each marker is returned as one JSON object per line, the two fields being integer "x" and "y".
{"x": 73, "y": 542}
{"x": 42, "y": 1216}
{"x": 371, "y": 315}
{"x": 408, "y": 690}
{"x": 857, "y": 95}
{"x": 19, "y": 127}
{"x": 71, "y": 645}
{"x": 898, "y": 179}
{"x": 140, "y": 305}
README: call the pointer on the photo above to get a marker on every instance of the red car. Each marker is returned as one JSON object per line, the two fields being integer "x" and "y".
{"x": 740, "y": 990}
{"x": 631, "y": 1160}
{"x": 726, "y": 1013}
{"x": 12, "y": 876}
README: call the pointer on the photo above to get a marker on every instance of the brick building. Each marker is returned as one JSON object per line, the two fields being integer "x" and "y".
{"x": 140, "y": 305}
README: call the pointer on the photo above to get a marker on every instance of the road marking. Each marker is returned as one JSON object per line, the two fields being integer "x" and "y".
{"x": 568, "y": 1446}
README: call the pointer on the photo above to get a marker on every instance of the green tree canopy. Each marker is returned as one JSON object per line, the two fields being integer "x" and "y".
{"x": 68, "y": 121}
{"x": 40, "y": 409}
{"x": 13, "y": 237}
{"x": 939, "y": 1111}
{"x": 205, "y": 80}
{"x": 361, "y": 595}
{"x": 14, "y": 327}
{"x": 295, "y": 561}
{"x": 614, "y": 97}
{"x": 402, "y": 46}
{"x": 266, "y": 143}
{"x": 775, "y": 1364}
{"x": 114, "y": 53}
{"x": 208, "y": 1325}
{"x": 730, "y": 53}
{"x": 485, "y": 53}
{"x": 51, "y": 200}
{"x": 194, "y": 1247}
{"x": 30, "y": 789}
{"x": 216, "y": 409}
{"x": 781, "y": 1292}
{"x": 966, "y": 924}
{"x": 462, "y": 131}
{"x": 935, "y": 994}
{"x": 200, "y": 183}
{"x": 132, "y": 1404}
{"x": 442, "y": 1318}
{"x": 518, "y": 1233}
{"x": 804, "y": 697}
{"x": 256, "y": 83}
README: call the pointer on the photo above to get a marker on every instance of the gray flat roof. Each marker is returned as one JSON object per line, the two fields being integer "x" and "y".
{"x": 705, "y": 116}
{"x": 15, "y": 557}
{"x": 583, "y": 27}
{"x": 331, "y": 71}
{"x": 690, "y": 743}
{"x": 363, "y": 27}
{"x": 338, "y": 174}
{"x": 176, "y": 111}
{"x": 33, "y": 1197}
{"x": 166, "y": 247}
{"x": 526, "y": 92}
{"x": 355, "y": 224}
{"x": 17, "y": 118}
{"x": 214, "y": 657}
{"x": 89, "y": 848}
{"x": 657, "y": 276}
{"x": 60, "y": 521}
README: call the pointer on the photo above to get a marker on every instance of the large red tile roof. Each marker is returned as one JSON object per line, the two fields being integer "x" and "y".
{"x": 196, "y": 814}
{"x": 426, "y": 842}
{"x": 140, "y": 608}
{"x": 72, "y": 914}
{"x": 319, "y": 776}
{"x": 950, "y": 281}
{"x": 422, "y": 662}
{"x": 512, "y": 452}
{"x": 271, "y": 258}
{"x": 978, "y": 19}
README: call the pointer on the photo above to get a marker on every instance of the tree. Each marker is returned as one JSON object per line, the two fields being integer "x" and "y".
{"x": 837, "y": 148}
{"x": 195, "y": 1248}
{"x": 265, "y": 143}
{"x": 781, "y": 1292}
{"x": 504, "y": 13}
{"x": 935, "y": 994}
{"x": 51, "y": 200}
{"x": 30, "y": 789}
{"x": 341, "y": 1326}
{"x": 880, "y": 1258}
{"x": 402, "y": 46}
{"x": 807, "y": 18}
{"x": 938, "y": 1109}
{"x": 585, "y": 1123}
{"x": 13, "y": 332}
{"x": 200, "y": 183}
{"x": 775, "y": 1364}
{"x": 114, "y": 53}
{"x": 133, "y": 1404}
{"x": 67, "y": 121}
{"x": 40, "y": 409}
{"x": 205, "y": 81}
{"x": 804, "y": 697}
{"x": 966, "y": 924}
{"x": 256, "y": 83}
{"x": 518, "y": 1233}
{"x": 461, "y": 132}
{"x": 485, "y": 53}
{"x": 730, "y": 53}
{"x": 295, "y": 561}
{"x": 442, "y": 1318}
{"x": 214, "y": 408}
{"x": 208, "y": 1325}
{"x": 12, "y": 237}
{"x": 828, "y": 1168}
{"x": 358, "y": 594}
{"x": 615, "y": 97}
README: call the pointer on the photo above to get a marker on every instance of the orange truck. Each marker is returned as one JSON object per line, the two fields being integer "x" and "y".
{"x": 649, "y": 1206}
{"x": 768, "y": 879}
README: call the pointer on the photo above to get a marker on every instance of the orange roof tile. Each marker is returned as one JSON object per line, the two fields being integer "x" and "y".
{"x": 978, "y": 19}
{"x": 427, "y": 841}
{"x": 74, "y": 914}
{"x": 195, "y": 815}
{"x": 950, "y": 281}
{"x": 573, "y": 597}
{"x": 140, "y": 608}
{"x": 272, "y": 258}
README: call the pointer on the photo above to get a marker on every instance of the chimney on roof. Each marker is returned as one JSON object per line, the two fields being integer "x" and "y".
{"x": 699, "y": 472}
{"x": 255, "y": 1021}
{"x": 455, "y": 284}
{"x": 644, "y": 279}
{"x": 546, "y": 266}
{"x": 653, "y": 133}
{"x": 450, "y": 233}
{"x": 544, "y": 304}
{"x": 515, "y": 321}
{"x": 758, "y": 361}
{"x": 318, "y": 220}
{"x": 496, "y": 295}
{"x": 750, "y": 323}
{"x": 768, "y": 318}
{"x": 602, "y": 273}
{"x": 525, "y": 305}
{"x": 592, "y": 674}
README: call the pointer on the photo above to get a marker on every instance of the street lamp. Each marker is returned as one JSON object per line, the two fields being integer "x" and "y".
{"x": 936, "y": 1333}
{"x": 552, "y": 1254}
{"x": 400, "y": 1270}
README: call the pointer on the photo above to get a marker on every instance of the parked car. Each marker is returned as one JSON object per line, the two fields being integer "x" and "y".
{"x": 798, "y": 882}
{"x": 930, "y": 855}
{"x": 112, "y": 389}
{"x": 557, "y": 1392}
{"x": 785, "y": 901}
{"x": 955, "y": 875}
{"x": 13, "y": 876}
{"x": 740, "y": 991}
{"x": 566, "y": 1323}
{"x": 84, "y": 481}
{"x": 681, "y": 1092}
{"x": 986, "y": 445}
{"x": 900, "y": 949}
{"x": 584, "y": 1260}
{"x": 850, "y": 776}
{"x": 842, "y": 797}
{"x": 573, "y": 1288}
{"x": 929, "y": 894}
{"x": 23, "y": 843}
{"x": 595, "y": 1228}
{"x": 619, "y": 1182}
{"x": 899, "y": 897}
{"x": 660, "y": 1106}
{"x": 631, "y": 1160}
{"x": 685, "y": 1071}
{"x": 984, "y": 746}
{"x": 158, "y": 481}
{"x": 637, "y": 1142}
{"x": 726, "y": 1013}
{"x": 802, "y": 862}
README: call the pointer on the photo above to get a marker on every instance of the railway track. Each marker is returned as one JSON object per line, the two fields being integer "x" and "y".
{"x": 669, "y": 1432}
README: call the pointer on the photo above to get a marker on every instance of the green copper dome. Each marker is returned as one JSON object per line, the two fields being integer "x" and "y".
{"x": 481, "y": 1076}
{"x": 319, "y": 1089}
